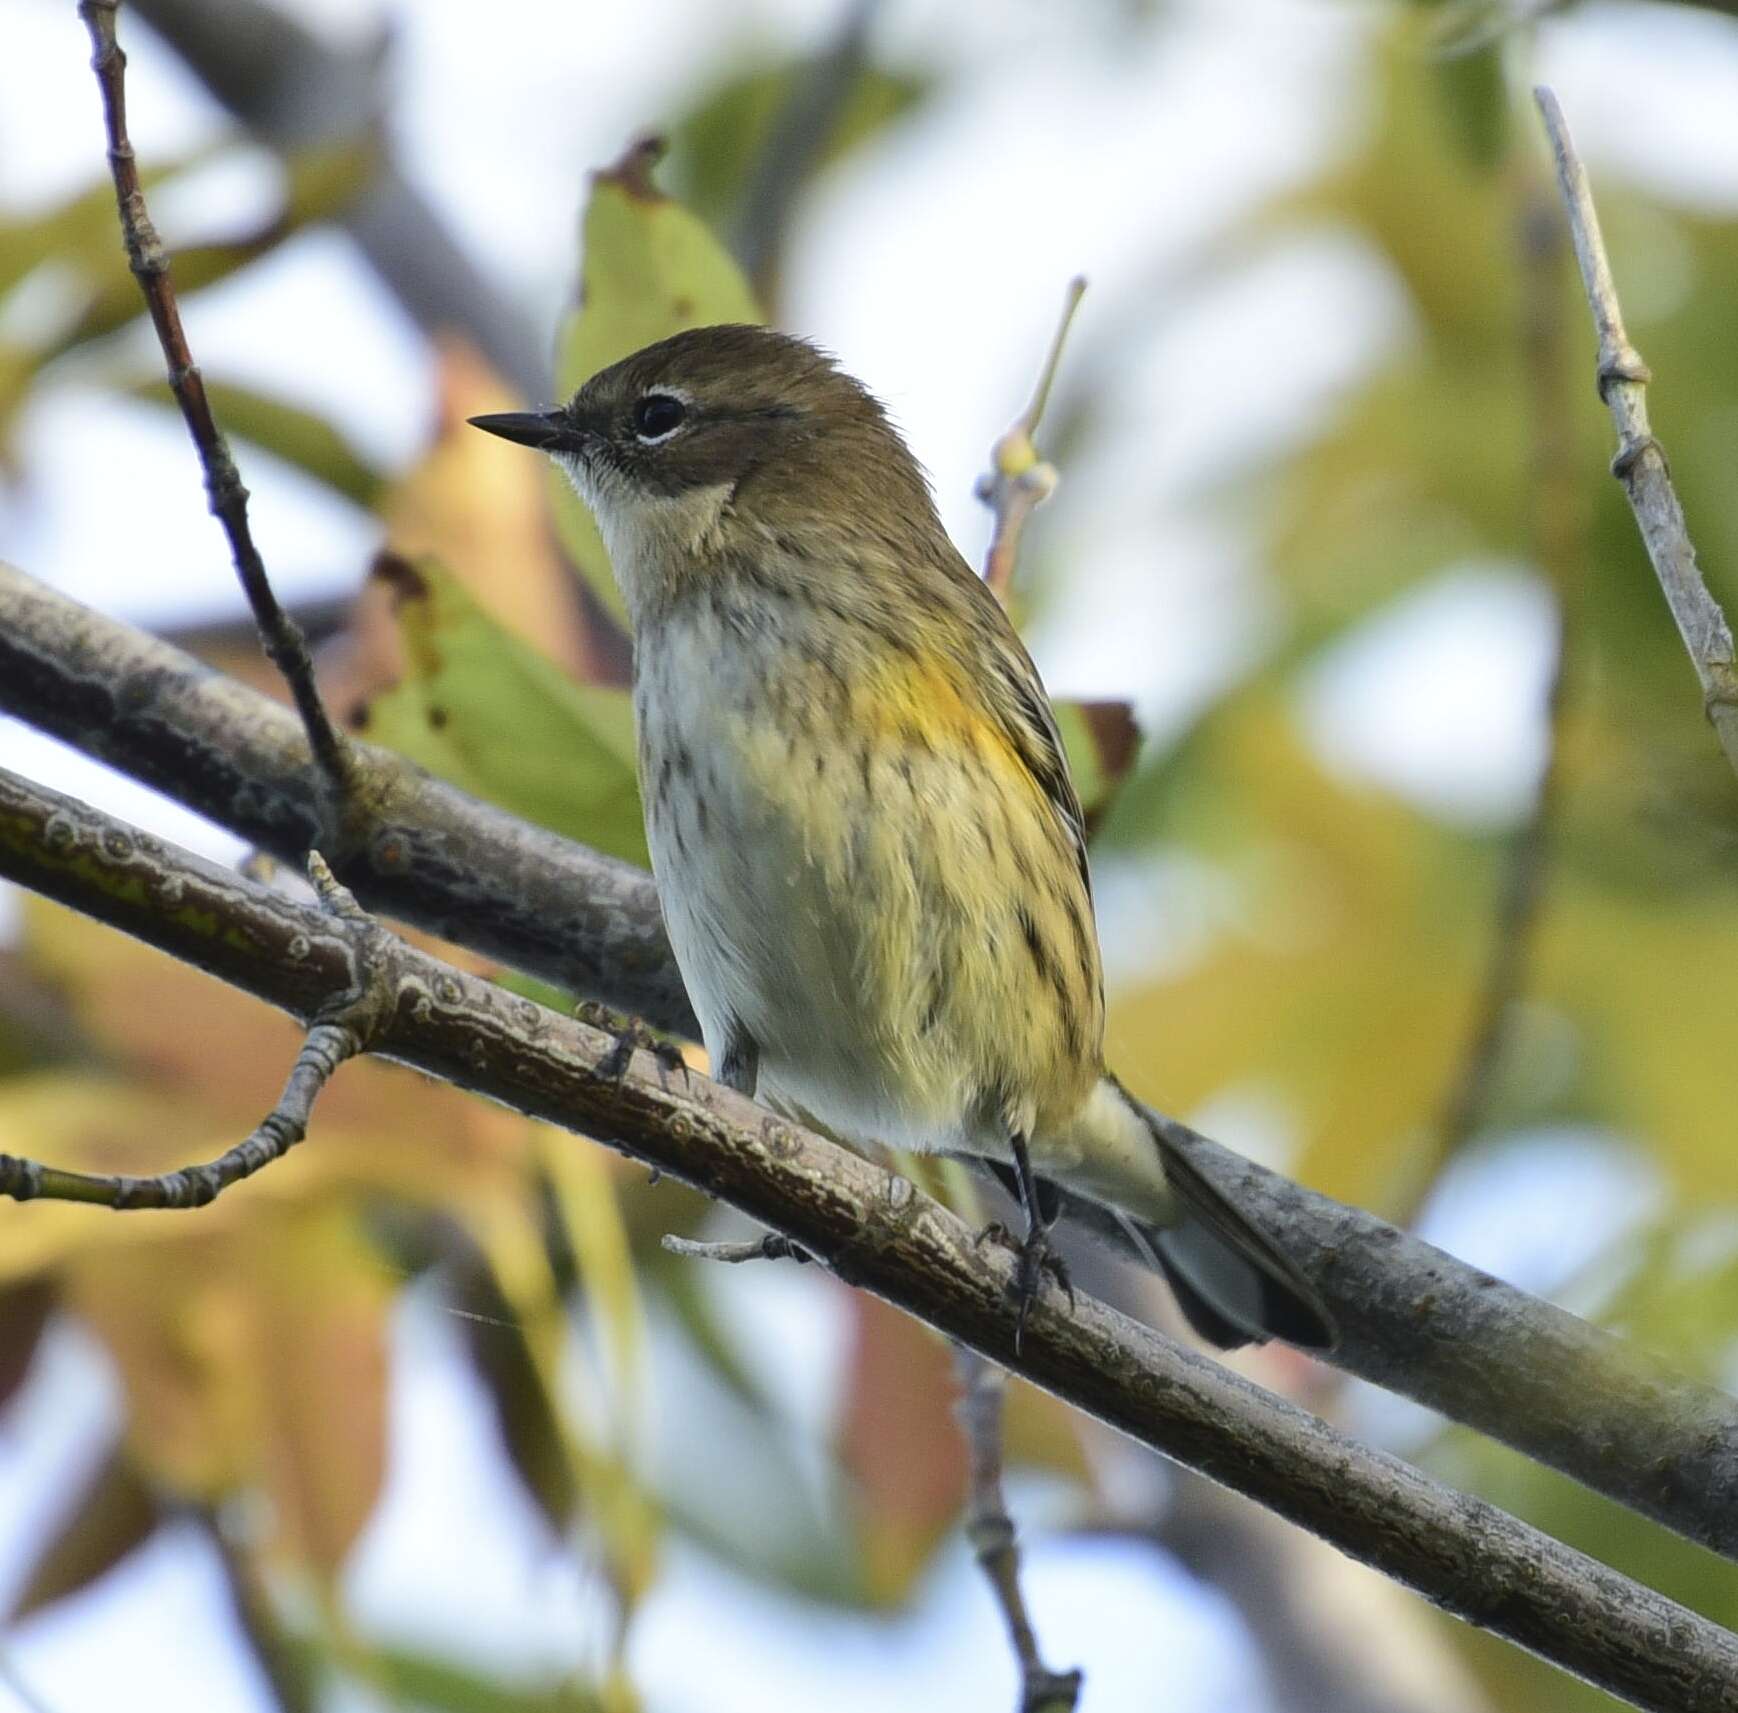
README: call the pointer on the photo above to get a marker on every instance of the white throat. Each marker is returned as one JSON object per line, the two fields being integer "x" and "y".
{"x": 651, "y": 539}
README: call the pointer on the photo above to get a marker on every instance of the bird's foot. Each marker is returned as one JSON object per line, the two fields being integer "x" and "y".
{"x": 629, "y": 1035}
{"x": 1037, "y": 1261}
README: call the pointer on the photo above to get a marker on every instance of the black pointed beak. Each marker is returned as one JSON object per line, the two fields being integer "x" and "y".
{"x": 548, "y": 432}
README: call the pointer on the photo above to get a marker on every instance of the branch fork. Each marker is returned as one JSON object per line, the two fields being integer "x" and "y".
{"x": 345, "y": 1027}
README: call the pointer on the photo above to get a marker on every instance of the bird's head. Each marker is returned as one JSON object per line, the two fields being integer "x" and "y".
{"x": 721, "y": 435}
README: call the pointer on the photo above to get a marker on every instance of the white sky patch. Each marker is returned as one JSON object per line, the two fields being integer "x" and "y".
{"x": 25, "y": 750}
{"x": 1163, "y": 598}
{"x": 123, "y": 526}
{"x": 1175, "y": 1645}
{"x": 1648, "y": 93}
{"x": 456, "y": 1560}
{"x": 1166, "y": 905}
{"x": 1441, "y": 697}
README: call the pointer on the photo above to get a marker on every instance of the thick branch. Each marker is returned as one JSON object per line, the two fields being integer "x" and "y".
{"x": 1410, "y": 1317}
{"x": 1640, "y": 463}
{"x": 416, "y": 849}
{"x": 874, "y": 1230}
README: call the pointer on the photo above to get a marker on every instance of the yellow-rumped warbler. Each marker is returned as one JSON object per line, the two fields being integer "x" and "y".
{"x": 869, "y": 853}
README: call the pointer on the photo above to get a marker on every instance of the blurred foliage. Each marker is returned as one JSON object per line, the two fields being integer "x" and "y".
{"x": 1347, "y": 966}
{"x": 486, "y": 711}
{"x": 721, "y": 141}
{"x": 1334, "y": 977}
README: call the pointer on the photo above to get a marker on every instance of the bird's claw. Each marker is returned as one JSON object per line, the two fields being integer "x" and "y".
{"x": 1036, "y": 1261}
{"x": 629, "y": 1035}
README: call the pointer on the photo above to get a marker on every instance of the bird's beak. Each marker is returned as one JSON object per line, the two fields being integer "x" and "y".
{"x": 548, "y": 432}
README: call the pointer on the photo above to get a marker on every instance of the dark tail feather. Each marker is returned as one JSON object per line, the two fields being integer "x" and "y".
{"x": 1234, "y": 1285}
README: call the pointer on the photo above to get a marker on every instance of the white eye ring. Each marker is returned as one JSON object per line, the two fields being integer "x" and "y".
{"x": 657, "y": 415}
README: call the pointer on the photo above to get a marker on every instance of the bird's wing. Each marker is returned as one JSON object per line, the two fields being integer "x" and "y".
{"x": 1015, "y": 695}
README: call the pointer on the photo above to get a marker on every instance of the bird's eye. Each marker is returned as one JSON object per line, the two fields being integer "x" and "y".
{"x": 658, "y": 415}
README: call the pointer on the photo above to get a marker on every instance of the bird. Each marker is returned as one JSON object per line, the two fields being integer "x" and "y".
{"x": 869, "y": 853}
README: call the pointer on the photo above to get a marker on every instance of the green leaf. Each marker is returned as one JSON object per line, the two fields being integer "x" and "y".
{"x": 320, "y": 183}
{"x": 649, "y": 269}
{"x": 488, "y": 713}
{"x": 299, "y": 436}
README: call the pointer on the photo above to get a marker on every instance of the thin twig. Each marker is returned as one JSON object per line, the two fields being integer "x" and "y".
{"x": 1640, "y": 463}
{"x": 990, "y": 1530}
{"x": 346, "y": 1031}
{"x": 874, "y": 1230}
{"x": 1018, "y": 480}
{"x": 281, "y": 636}
{"x": 1410, "y": 1317}
{"x": 771, "y": 1247}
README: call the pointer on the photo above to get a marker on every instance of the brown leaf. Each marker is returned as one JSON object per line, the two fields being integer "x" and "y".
{"x": 900, "y": 1443}
{"x": 319, "y": 1332}
{"x": 112, "y": 1514}
{"x": 480, "y": 505}
{"x": 24, "y": 1312}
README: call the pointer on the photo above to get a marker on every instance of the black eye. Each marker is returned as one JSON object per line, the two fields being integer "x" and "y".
{"x": 658, "y": 414}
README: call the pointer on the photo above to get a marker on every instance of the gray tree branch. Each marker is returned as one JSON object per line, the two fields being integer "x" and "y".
{"x": 875, "y": 1231}
{"x": 1411, "y": 1318}
{"x": 411, "y": 846}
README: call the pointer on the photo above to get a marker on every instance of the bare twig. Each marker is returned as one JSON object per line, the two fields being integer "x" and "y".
{"x": 771, "y": 1247}
{"x": 990, "y": 1530}
{"x": 800, "y": 131}
{"x": 1410, "y": 1317}
{"x": 149, "y": 260}
{"x": 1018, "y": 480}
{"x": 346, "y": 1029}
{"x": 1640, "y": 463}
{"x": 874, "y": 1230}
